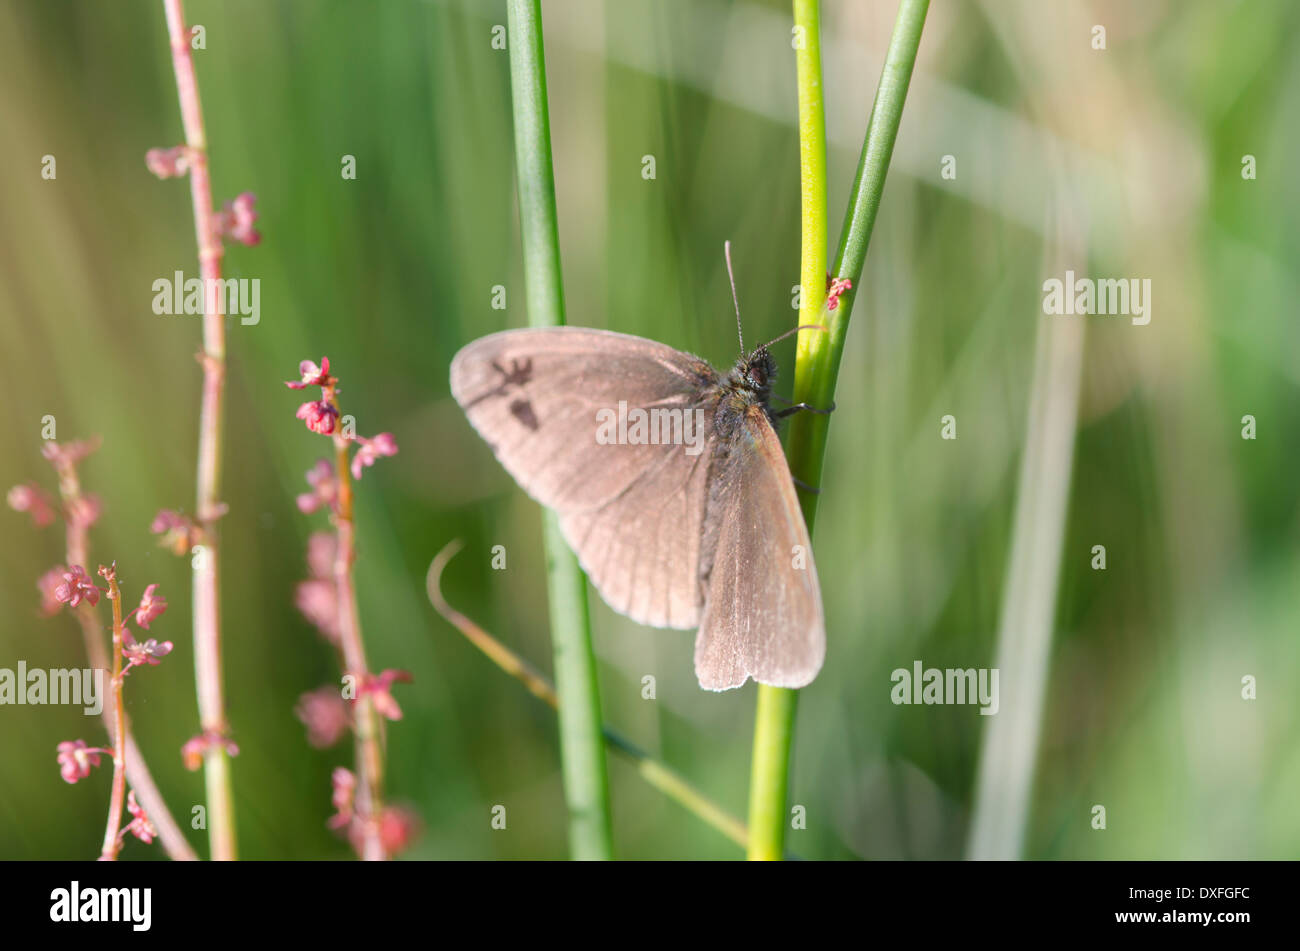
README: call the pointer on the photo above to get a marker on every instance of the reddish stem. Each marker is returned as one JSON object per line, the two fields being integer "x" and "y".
{"x": 369, "y": 754}
{"x": 112, "y": 843}
{"x": 207, "y": 605}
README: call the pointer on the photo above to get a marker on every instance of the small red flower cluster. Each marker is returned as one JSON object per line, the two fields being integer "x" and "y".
{"x": 76, "y": 587}
{"x": 235, "y": 220}
{"x": 835, "y": 287}
{"x": 322, "y": 416}
{"x": 76, "y": 759}
{"x": 33, "y": 500}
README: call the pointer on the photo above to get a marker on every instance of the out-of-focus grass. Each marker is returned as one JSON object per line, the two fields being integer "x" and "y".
{"x": 1143, "y": 712}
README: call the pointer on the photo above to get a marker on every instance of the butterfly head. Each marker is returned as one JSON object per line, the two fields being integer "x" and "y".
{"x": 754, "y": 375}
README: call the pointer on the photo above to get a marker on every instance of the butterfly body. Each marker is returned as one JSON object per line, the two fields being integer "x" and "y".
{"x": 672, "y": 534}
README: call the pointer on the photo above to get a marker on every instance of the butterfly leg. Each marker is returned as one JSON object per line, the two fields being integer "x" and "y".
{"x": 796, "y": 407}
{"x": 805, "y": 486}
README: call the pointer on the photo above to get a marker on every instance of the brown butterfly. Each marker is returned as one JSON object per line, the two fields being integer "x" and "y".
{"x": 683, "y": 515}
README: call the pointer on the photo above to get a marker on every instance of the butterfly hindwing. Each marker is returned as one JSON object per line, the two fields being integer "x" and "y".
{"x": 763, "y": 610}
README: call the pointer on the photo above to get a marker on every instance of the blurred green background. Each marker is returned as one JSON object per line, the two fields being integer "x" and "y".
{"x": 391, "y": 273}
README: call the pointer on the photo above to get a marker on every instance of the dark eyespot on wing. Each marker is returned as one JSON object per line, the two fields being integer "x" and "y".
{"x": 522, "y": 410}
{"x": 633, "y": 513}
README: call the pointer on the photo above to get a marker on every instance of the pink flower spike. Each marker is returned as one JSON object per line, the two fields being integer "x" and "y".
{"x": 371, "y": 449}
{"x": 312, "y": 375}
{"x": 75, "y": 587}
{"x": 33, "y": 500}
{"x": 325, "y": 714}
{"x": 139, "y": 826}
{"x": 76, "y": 759}
{"x": 319, "y": 416}
{"x": 150, "y": 652}
{"x": 168, "y": 163}
{"x": 345, "y": 788}
{"x": 48, "y": 585}
{"x": 150, "y": 607}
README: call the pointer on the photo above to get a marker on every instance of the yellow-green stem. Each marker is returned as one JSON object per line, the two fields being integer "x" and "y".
{"x": 774, "y": 718}
{"x": 818, "y": 360}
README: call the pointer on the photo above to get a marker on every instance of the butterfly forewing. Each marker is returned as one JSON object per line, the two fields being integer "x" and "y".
{"x": 763, "y": 609}
{"x": 632, "y": 513}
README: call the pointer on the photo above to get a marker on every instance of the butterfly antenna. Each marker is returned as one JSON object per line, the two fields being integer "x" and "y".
{"x": 794, "y": 330}
{"x": 726, "y": 250}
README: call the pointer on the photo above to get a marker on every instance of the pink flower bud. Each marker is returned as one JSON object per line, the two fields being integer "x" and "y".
{"x": 150, "y": 652}
{"x": 345, "y": 788}
{"x": 312, "y": 375}
{"x": 371, "y": 449}
{"x": 84, "y": 512}
{"x": 75, "y": 587}
{"x": 150, "y": 607}
{"x": 235, "y": 220}
{"x": 325, "y": 714}
{"x": 196, "y": 748}
{"x": 376, "y": 686}
{"x": 318, "y": 601}
{"x": 319, "y": 416}
{"x": 398, "y": 828}
{"x": 322, "y": 547}
{"x": 76, "y": 759}
{"x": 71, "y": 454}
{"x": 33, "y": 500}
{"x": 48, "y": 585}
{"x": 168, "y": 163}
{"x": 179, "y": 532}
{"x": 139, "y": 826}
{"x": 324, "y": 485}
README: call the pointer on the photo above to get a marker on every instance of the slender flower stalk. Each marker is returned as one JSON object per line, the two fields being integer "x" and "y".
{"x": 818, "y": 360}
{"x": 75, "y": 758}
{"x": 76, "y": 507}
{"x": 118, "y": 798}
{"x": 207, "y": 599}
{"x": 329, "y": 600}
{"x": 582, "y": 748}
